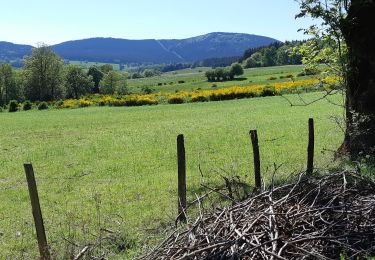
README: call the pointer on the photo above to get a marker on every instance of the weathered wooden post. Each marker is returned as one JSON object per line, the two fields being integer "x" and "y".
{"x": 310, "y": 148}
{"x": 37, "y": 213}
{"x": 254, "y": 141}
{"x": 181, "y": 161}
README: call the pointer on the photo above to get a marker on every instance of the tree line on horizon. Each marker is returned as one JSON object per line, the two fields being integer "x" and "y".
{"x": 44, "y": 77}
{"x": 275, "y": 54}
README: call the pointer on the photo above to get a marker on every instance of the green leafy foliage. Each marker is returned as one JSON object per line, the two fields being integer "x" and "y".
{"x": 42, "y": 105}
{"x": 77, "y": 82}
{"x": 224, "y": 74}
{"x": 268, "y": 91}
{"x": 8, "y": 86}
{"x": 27, "y": 105}
{"x": 43, "y": 74}
{"x": 275, "y": 54}
{"x": 97, "y": 76}
{"x": 13, "y": 106}
{"x": 110, "y": 82}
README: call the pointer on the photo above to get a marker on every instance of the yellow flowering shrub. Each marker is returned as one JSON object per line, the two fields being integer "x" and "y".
{"x": 176, "y": 99}
{"x": 69, "y": 103}
{"x": 200, "y": 95}
{"x": 85, "y": 103}
{"x": 141, "y": 100}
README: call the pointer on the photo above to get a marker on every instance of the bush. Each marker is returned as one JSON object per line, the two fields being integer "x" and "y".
{"x": 268, "y": 91}
{"x": 42, "y": 106}
{"x": 85, "y": 103}
{"x": 181, "y": 81}
{"x": 199, "y": 98}
{"x": 27, "y": 105}
{"x": 13, "y": 106}
{"x": 59, "y": 104}
{"x": 117, "y": 102}
{"x": 69, "y": 103}
{"x": 214, "y": 86}
{"x": 308, "y": 72}
{"x": 147, "y": 90}
{"x": 1, "y": 109}
{"x": 175, "y": 100}
{"x": 272, "y": 78}
{"x": 140, "y": 101}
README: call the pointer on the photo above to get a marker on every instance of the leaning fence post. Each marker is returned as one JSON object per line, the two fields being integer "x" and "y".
{"x": 37, "y": 213}
{"x": 254, "y": 141}
{"x": 310, "y": 148}
{"x": 181, "y": 161}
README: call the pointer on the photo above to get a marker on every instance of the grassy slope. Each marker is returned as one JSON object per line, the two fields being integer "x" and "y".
{"x": 127, "y": 156}
{"x": 194, "y": 78}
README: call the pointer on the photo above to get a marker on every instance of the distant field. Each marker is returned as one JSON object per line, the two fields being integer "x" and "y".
{"x": 195, "y": 78}
{"x": 115, "y": 168}
{"x": 87, "y": 64}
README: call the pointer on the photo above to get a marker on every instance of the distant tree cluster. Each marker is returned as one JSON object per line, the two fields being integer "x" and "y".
{"x": 216, "y": 62}
{"x": 44, "y": 77}
{"x": 224, "y": 74}
{"x": 276, "y": 54}
{"x": 147, "y": 73}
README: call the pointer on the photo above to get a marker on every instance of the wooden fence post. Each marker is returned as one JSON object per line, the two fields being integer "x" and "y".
{"x": 310, "y": 148}
{"x": 37, "y": 213}
{"x": 254, "y": 141}
{"x": 181, "y": 161}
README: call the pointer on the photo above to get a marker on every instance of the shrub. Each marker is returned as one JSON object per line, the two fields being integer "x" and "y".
{"x": 1, "y": 109}
{"x": 13, "y": 106}
{"x": 268, "y": 91}
{"x": 289, "y": 76}
{"x": 181, "y": 81}
{"x": 122, "y": 89}
{"x": 160, "y": 84}
{"x": 308, "y": 72}
{"x": 84, "y": 103}
{"x": 214, "y": 86}
{"x": 147, "y": 90}
{"x": 59, "y": 104}
{"x": 175, "y": 99}
{"x": 272, "y": 78}
{"x": 140, "y": 101}
{"x": 42, "y": 106}
{"x": 117, "y": 102}
{"x": 199, "y": 98}
{"x": 27, "y": 105}
{"x": 69, "y": 103}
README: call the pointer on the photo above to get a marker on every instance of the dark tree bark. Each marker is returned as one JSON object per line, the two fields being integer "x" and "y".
{"x": 359, "y": 32}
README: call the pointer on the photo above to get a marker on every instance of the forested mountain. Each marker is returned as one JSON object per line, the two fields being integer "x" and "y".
{"x": 110, "y": 50}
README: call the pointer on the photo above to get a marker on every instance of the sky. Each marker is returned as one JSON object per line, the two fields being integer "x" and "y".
{"x": 52, "y": 21}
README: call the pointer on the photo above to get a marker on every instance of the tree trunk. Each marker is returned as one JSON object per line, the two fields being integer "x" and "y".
{"x": 358, "y": 30}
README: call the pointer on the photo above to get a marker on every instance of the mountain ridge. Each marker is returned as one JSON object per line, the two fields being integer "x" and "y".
{"x": 155, "y": 51}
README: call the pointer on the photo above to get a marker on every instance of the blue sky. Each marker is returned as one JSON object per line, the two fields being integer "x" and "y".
{"x": 52, "y": 21}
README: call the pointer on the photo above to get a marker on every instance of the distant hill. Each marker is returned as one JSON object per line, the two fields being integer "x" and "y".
{"x": 10, "y": 51}
{"x": 112, "y": 50}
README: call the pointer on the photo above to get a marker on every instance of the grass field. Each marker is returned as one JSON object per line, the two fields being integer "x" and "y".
{"x": 115, "y": 168}
{"x": 195, "y": 78}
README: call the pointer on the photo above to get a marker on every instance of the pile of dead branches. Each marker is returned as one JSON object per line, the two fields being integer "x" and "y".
{"x": 316, "y": 217}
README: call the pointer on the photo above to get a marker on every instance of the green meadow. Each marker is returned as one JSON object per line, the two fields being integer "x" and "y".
{"x": 114, "y": 169}
{"x": 191, "y": 79}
